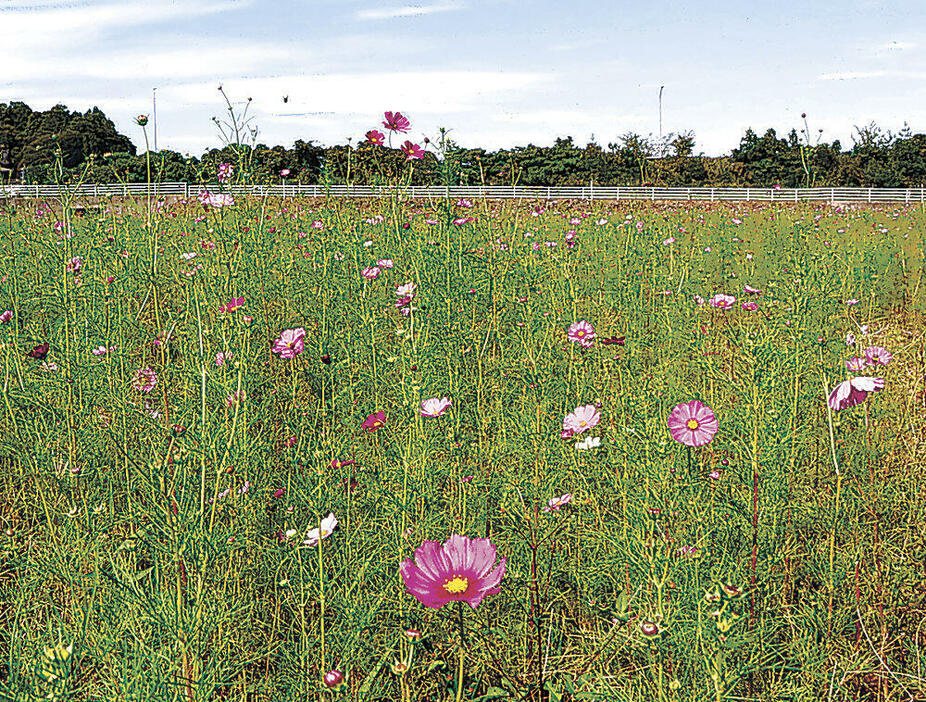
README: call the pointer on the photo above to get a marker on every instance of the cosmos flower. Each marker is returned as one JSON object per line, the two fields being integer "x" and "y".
{"x": 750, "y": 306}
{"x": 6, "y": 316}
{"x": 856, "y": 364}
{"x": 385, "y": 263}
{"x": 412, "y": 151}
{"x": 395, "y": 122}
{"x": 375, "y": 137}
{"x": 434, "y": 407}
{"x": 102, "y": 350}
{"x": 326, "y": 529}
{"x": 588, "y": 443}
{"x": 459, "y": 570}
{"x": 370, "y": 273}
{"x": 722, "y": 301}
{"x": 582, "y": 333}
{"x": 877, "y": 356}
{"x": 291, "y": 343}
{"x": 406, "y": 290}
{"x": 374, "y": 421}
{"x": 693, "y": 423}
{"x": 853, "y": 392}
{"x": 554, "y": 503}
{"x": 581, "y": 419}
{"x": 144, "y": 380}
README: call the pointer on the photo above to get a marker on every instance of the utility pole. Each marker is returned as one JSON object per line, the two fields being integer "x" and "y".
{"x": 154, "y": 110}
{"x": 660, "y": 120}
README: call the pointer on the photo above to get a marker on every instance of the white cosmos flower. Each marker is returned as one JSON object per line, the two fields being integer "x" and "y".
{"x": 589, "y": 442}
{"x": 327, "y": 527}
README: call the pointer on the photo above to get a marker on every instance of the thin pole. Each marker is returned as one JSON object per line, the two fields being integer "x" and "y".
{"x": 154, "y": 110}
{"x": 660, "y": 116}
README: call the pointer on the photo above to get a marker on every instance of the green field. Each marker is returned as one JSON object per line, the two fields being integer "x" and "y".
{"x": 155, "y": 504}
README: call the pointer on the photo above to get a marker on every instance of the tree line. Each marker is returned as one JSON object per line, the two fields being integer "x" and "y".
{"x": 57, "y": 144}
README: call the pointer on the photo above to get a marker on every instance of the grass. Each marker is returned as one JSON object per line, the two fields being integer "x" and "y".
{"x": 128, "y": 573}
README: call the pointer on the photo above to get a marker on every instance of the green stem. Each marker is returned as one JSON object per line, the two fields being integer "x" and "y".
{"x": 460, "y": 664}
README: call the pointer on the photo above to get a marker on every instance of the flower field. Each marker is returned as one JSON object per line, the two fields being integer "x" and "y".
{"x": 408, "y": 450}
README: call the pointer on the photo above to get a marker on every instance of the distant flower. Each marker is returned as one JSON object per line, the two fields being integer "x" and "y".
{"x": 687, "y": 551}
{"x": 326, "y": 529}
{"x": 853, "y": 392}
{"x": 226, "y": 170}
{"x": 141, "y": 120}
{"x": 395, "y": 122}
{"x": 850, "y": 339}
{"x": 144, "y": 380}
{"x": 385, "y": 263}
{"x": 588, "y": 443}
{"x": 39, "y": 351}
{"x": 232, "y": 305}
{"x": 693, "y": 423}
{"x": 412, "y": 151}
{"x": 74, "y": 265}
{"x": 581, "y": 419}
{"x": 714, "y": 475}
{"x": 581, "y": 332}
{"x": 751, "y": 290}
{"x": 375, "y": 137}
{"x": 460, "y": 569}
{"x": 699, "y": 301}
{"x": 6, "y": 316}
{"x": 555, "y": 503}
{"x": 434, "y": 407}
{"x": 278, "y": 493}
{"x": 102, "y": 350}
{"x": 233, "y": 400}
{"x": 285, "y": 172}
{"x": 877, "y": 355}
{"x": 374, "y": 421}
{"x": 406, "y": 290}
{"x": 750, "y": 306}
{"x": 722, "y": 301}
{"x": 856, "y": 364}
{"x": 460, "y": 221}
{"x": 188, "y": 256}
{"x": 334, "y": 679}
{"x": 670, "y": 240}
{"x": 464, "y": 203}
{"x": 370, "y": 273}
{"x": 850, "y": 302}
{"x": 291, "y": 343}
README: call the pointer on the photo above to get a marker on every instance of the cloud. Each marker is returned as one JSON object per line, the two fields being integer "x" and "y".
{"x": 898, "y": 46}
{"x": 408, "y": 11}
{"x": 852, "y": 75}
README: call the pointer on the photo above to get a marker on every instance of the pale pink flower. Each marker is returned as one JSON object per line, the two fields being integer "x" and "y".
{"x": 291, "y": 343}
{"x": 323, "y": 531}
{"x": 722, "y": 301}
{"x": 233, "y": 399}
{"x": 406, "y": 290}
{"x": 750, "y": 306}
{"x": 555, "y": 503}
{"x": 102, "y": 350}
{"x": 581, "y": 333}
{"x": 751, "y": 290}
{"x": 853, "y": 392}
{"x": 434, "y": 407}
{"x": 370, "y": 273}
{"x": 693, "y": 423}
{"x": 581, "y": 419}
{"x": 877, "y": 355}
{"x": 385, "y": 263}
{"x": 669, "y": 241}
{"x": 221, "y": 357}
{"x": 6, "y": 316}
{"x": 856, "y": 364}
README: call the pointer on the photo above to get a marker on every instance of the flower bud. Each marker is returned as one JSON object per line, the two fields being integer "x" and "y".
{"x": 141, "y": 120}
{"x": 334, "y": 679}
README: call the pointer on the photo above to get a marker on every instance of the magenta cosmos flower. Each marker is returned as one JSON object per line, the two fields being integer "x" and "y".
{"x": 459, "y": 570}
{"x": 722, "y": 301}
{"x": 581, "y": 333}
{"x": 853, "y": 392}
{"x": 434, "y": 407}
{"x": 412, "y": 151}
{"x": 877, "y": 355}
{"x": 374, "y": 421}
{"x": 581, "y": 419}
{"x": 693, "y": 423}
{"x": 375, "y": 137}
{"x": 396, "y": 122}
{"x": 291, "y": 343}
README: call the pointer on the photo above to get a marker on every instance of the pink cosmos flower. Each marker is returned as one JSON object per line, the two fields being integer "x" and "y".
{"x": 385, "y": 263}
{"x": 853, "y": 392}
{"x": 144, "y": 380}
{"x": 233, "y": 399}
{"x": 232, "y": 305}
{"x": 750, "y": 306}
{"x": 693, "y": 423}
{"x": 856, "y": 364}
{"x": 6, "y": 316}
{"x": 285, "y": 172}
{"x": 412, "y": 151}
{"x": 73, "y": 266}
{"x": 434, "y": 407}
{"x": 722, "y": 301}
{"x": 370, "y": 273}
{"x": 323, "y": 531}
{"x": 374, "y": 421}
{"x": 581, "y": 419}
{"x": 221, "y": 357}
{"x": 877, "y": 355}
{"x": 226, "y": 170}
{"x": 751, "y": 290}
{"x": 555, "y": 503}
{"x": 464, "y": 203}
{"x": 459, "y": 570}
{"x": 460, "y": 221}
{"x": 395, "y": 122}
{"x": 406, "y": 290}
{"x": 291, "y": 343}
{"x": 102, "y": 350}
{"x": 375, "y": 137}
{"x": 851, "y": 301}
{"x": 581, "y": 332}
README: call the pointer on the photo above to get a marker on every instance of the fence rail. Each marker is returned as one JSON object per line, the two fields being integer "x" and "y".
{"x": 533, "y": 192}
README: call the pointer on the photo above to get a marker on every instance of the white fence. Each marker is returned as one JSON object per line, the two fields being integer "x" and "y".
{"x": 106, "y": 190}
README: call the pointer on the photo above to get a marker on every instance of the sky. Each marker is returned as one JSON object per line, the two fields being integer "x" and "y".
{"x": 496, "y": 73}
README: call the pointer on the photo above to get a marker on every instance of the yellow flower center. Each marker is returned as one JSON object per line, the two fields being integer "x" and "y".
{"x": 456, "y": 585}
{"x": 580, "y": 333}
{"x": 692, "y": 424}
{"x": 582, "y": 424}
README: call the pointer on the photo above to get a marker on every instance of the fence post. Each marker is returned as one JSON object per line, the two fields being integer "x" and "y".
{"x": 832, "y": 196}
{"x": 747, "y": 194}
{"x": 712, "y": 194}
{"x": 869, "y": 194}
